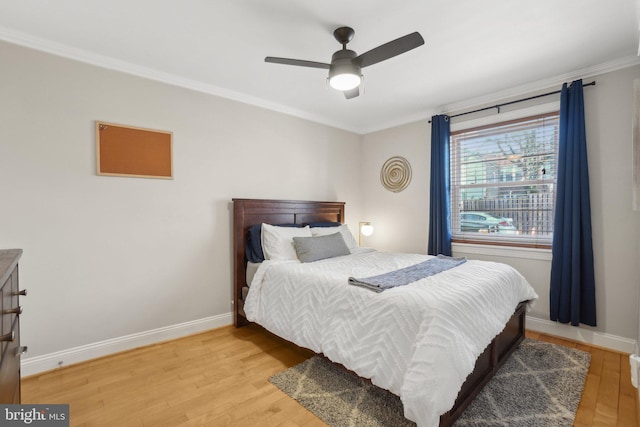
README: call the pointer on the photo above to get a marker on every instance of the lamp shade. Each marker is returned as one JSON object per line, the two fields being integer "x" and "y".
{"x": 366, "y": 229}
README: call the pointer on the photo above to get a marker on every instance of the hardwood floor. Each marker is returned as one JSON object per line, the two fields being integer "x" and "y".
{"x": 608, "y": 398}
{"x": 220, "y": 378}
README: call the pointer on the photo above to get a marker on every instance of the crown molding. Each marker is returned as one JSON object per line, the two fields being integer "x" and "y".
{"x": 584, "y": 73}
{"x": 494, "y": 97}
{"x": 103, "y": 61}
{"x": 404, "y": 120}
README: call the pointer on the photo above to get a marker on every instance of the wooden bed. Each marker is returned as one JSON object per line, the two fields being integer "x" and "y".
{"x": 248, "y": 212}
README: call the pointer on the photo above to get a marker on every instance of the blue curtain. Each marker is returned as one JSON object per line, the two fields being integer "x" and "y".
{"x": 439, "y": 207}
{"x": 572, "y": 291}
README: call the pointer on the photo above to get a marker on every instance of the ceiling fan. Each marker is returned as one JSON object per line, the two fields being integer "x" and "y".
{"x": 345, "y": 68}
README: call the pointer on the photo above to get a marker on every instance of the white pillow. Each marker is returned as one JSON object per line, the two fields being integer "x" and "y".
{"x": 277, "y": 242}
{"x": 343, "y": 229}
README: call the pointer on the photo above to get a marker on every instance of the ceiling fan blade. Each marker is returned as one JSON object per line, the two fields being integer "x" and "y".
{"x": 391, "y": 49}
{"x": 352, "y": 93}
{"x": 298, "y": 62}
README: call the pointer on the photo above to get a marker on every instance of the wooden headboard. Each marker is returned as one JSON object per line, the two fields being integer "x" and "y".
{"x": 248, "y": 212}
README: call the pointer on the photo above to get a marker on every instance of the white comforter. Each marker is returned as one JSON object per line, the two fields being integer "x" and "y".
{"x": 420, "y": 341}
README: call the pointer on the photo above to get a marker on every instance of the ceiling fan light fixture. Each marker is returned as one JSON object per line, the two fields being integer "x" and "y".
{"x": 346, "y": 81}
{"x": 345, "y": 69}
{"x": 344, "y": 74}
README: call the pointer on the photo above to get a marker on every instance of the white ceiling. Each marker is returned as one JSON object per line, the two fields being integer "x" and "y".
{"x": 474, "y": 49}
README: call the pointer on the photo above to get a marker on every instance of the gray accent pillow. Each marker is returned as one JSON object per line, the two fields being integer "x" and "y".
{"x": 311, "y": 249}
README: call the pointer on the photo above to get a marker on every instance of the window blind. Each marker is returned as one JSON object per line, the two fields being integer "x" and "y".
{"x": 503, "y": 180}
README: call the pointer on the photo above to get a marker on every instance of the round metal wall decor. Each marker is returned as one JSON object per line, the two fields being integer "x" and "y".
{"x": 395, "y": 174}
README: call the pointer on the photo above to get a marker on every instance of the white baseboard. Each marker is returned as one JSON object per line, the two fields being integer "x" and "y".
{"x": 47, "y": 362}
{"x": 595, "y": 338}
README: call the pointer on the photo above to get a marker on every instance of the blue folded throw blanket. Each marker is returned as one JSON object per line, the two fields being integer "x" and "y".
{"x": 407, "y": 275}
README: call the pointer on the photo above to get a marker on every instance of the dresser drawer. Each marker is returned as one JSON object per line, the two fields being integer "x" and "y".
{"x": 9, "y": 305}
{"x": 10, "y": 368}
{"x": 10, "y": 350}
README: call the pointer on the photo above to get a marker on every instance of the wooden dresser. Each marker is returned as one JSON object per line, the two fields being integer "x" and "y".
{"x": 10, "y": 327}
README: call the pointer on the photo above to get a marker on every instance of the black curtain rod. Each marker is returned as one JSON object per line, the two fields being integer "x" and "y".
{"x": 498, "y": 106}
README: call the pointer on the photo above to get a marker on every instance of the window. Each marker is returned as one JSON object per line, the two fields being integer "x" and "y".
{"x": 503, "y": 181}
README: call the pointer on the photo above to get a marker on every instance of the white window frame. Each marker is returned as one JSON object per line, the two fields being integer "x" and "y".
{"x": 461, "y": 125}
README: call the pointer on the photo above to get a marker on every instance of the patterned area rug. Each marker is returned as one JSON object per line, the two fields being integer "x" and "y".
{"x": 539, "y": 386}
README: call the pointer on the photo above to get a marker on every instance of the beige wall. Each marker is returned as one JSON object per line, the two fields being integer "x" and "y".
{"x": 616, "y": 228}
{"x": 105, "y": 257}
{"x": 108, "y": 257}
{"x": 399, "y": 219}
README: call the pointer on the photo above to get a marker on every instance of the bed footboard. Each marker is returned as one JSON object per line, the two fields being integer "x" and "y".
{"x": 493, "y": 357}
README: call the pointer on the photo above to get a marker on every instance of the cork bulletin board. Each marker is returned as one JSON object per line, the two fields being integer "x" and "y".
{"x": 131, "y": 151}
